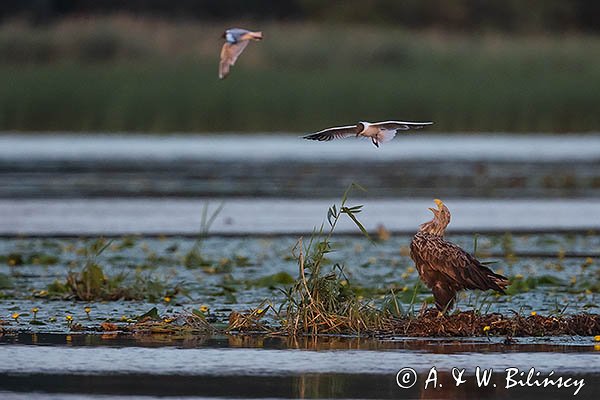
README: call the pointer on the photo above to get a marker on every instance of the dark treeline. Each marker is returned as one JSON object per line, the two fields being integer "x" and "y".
{"x": 461, "y": 15}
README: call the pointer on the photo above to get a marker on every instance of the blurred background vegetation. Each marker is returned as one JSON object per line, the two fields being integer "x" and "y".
{"x": 469, "y": 65}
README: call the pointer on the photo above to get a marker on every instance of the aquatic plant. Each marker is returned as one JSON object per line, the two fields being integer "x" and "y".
{"x": 520, "y": 284}
{"x": 194, "y": 258}
{"x": 322, "y": 300}
{"x": 5, "y": 282}
{"x": 184, "y": 324}
{"x": 393, "y": 302}
{"x": 91, "y": 283}
{"x": 470, "y": 323}
{"x": 250, "y": 321}
{"x": 273, "y": 281}
{"x": 16, "y": 259}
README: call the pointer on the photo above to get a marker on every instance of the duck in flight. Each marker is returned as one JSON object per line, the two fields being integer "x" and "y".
{"x": 378, "y": 132}
{"x": 236, "y": 40}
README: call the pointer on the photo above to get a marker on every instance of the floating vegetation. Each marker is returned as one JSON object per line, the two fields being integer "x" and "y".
{"x": 470, "y": 323}
{"x": 188, "y": 323}
{"x": 92, "y": 284}
{"x": 251, "y": 321}
{"x": 520, "y": 284}
{"x": 18, "y": 259}
{"x": 429, "y": 323}
{"x": 13, "y": 259}
{"x": 273, "y": 281}
{"x": 5, "y": 282}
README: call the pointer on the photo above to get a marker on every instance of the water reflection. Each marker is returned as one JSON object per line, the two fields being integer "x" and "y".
{"x": 311, "y": 343}
{"x": 307, "y": 386}
{"x": 265, "y": 366}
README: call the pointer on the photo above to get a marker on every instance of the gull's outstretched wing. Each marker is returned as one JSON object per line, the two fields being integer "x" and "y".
{"x": 401, "y": 125}
{"x": 334, "y": 133}
{"x": 229, "y": 55}
{"x": 234, "y": 35}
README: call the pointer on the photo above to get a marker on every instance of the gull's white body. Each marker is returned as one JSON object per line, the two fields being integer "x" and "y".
{"x": 378, "y": 132}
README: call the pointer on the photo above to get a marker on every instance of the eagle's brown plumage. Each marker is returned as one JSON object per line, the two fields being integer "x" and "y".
{"x": 446, "y": 268}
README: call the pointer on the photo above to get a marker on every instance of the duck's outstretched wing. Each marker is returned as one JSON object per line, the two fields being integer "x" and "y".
{"x": 334, "y": 133}
{"x": 229, "y": 55}
{"x": 401, "y": 125}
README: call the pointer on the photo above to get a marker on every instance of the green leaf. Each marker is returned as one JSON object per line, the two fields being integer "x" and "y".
{"x": 5, "y": 282}
{"x": 100, "y": 250}
{"x": 274, "y": 280}
{"x": 359, "y": 225}
{"x": 152, "y": 314}
{"x": 331, "y": 213}
{"x": 355, "y": 209}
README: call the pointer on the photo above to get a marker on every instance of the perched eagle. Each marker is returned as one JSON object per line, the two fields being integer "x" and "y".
{"x": 446, "y": 268}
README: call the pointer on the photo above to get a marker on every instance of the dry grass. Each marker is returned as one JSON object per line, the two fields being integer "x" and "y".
{"x": 182, "y": 325}
{"x": 250, "y": 321}
{"x": 323, "y": 304}
{"x": 322, "y": 300}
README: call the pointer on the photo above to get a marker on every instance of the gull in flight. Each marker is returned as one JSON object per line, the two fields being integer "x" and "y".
{"x": 378, "y": 132}
{"x": 236, "y": 40}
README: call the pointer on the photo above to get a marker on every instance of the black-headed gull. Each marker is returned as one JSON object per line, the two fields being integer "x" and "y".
{"x": 236, "y": 40}
{"x": 378, "y": 132}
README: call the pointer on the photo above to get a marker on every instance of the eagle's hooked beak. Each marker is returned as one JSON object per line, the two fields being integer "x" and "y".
{"x": 439, "y": 203}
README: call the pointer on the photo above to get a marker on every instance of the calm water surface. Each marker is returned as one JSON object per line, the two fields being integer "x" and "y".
{"x": 262, "y": 367}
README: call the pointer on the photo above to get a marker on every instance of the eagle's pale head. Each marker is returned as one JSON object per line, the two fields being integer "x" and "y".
{"x": 441, "y": 219}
